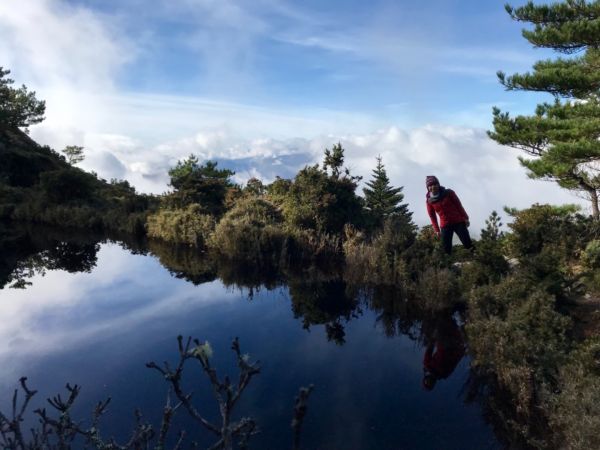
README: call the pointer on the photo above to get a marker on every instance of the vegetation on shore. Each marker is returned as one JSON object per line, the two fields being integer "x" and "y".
{"x": 518, "y": 295}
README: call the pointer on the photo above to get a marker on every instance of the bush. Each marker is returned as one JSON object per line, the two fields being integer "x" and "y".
{"x": 380, "y": 260}
{"x": 60, "y": 215}
{"x": 183, "y": 226}
{"x": 251, "y": 231}
{"x": 437, "y": 289}
{"x": 319, "y": 202}
{"x": 309, "y": 245}
{"x": 575, "y": 411}
{"x": 591, "y": 255}
{"x": 517, "y": 336}
{"x": 67, "y": 185}
{"x": 543, "y": 226}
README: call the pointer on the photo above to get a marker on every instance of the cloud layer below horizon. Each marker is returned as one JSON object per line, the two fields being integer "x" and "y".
{"x": 102, "y": 74}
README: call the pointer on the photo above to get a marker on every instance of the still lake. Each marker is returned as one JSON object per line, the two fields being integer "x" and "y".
{"x": 94, "y": 312}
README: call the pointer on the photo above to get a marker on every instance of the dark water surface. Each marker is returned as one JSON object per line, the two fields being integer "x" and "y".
{"x": 98, "y": 327}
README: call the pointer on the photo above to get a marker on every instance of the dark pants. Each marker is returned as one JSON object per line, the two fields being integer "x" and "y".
{"x": 463, "y": 234}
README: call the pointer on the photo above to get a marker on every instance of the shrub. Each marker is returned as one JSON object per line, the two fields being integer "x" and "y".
{"x": 67, "y": 185}
{"x": 591, "y": 255}
{"x": 305, "y": 245}
{"x": 517, "y": 336}
{"x": 380, "y": 260}
{"x": 251, "y": 231}
{"x": 575, "y": 411}
{"x": 541, "y": 226}
{"x": 183, "y": 226}
{"x": 437, "y": 289}
{"x": 320, "y": 202}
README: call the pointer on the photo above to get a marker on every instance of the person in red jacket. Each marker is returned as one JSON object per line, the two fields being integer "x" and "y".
{"x": 453, "y": 217}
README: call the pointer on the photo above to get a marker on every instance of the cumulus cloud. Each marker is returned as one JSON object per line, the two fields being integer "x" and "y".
{"x": 73, "y": 57}
{"x": 69, "y": 55}
{"x": 485, "y": 175}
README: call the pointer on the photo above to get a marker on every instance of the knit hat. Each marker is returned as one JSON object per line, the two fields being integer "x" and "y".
{"x": 430, "y": 180}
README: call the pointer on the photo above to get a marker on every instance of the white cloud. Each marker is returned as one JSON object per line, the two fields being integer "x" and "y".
{"x": 72, "y": 57}
{"x": 85, "y": 314}
{"x": 485, "y": 175}
{"x": 52, "y": 43}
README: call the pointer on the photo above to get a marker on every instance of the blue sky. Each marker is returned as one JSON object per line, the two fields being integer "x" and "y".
{"x": 395, "y": 60}
{"x": 264, "y": 86}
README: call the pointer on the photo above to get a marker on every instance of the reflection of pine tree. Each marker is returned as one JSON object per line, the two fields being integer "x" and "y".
{"x": 383, "y": 200}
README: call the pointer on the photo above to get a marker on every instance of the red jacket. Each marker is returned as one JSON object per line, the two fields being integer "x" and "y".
{"x": 443, "y": 360}
{"x": 448, "y": 207}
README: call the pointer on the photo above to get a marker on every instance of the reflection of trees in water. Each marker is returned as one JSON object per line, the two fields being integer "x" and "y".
{"x": 26, "y": 253}
{"x": 330, "y": 303}
{"x": 513, "y": 426}
{"x": 397, "y": 314}
{"x": 252, "y": 277}
{"x": 67, "y": 256}
{"x": 184, "y": 262}
{"x": 317, "y": 297}
{"x": 189, "y": 264}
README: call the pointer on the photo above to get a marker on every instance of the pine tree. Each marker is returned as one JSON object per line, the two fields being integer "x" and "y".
{"x": 74, "y": 154}
{"x": 561, "y": 138}
{"x": 492, "y": 231}
{"x": 334, "y": 160}
{"x": 18, "y": 107}
{"x": 381, "y": 199}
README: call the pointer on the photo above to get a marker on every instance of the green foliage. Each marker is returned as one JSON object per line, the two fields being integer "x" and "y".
{"x": 488, "y": 264}
{"x": 567, "y": 26}
{"x": 320, "y": 202}
{"x": 437, "y": 289}
{"x": 575, "y": 411}
{"x": 548, "y": 241}
{"x": 74, "y": 154}
{"x": 255, "y": 187}
{"x": 427, "y": 234}
{"x": 591, "y": 255}
{"x": 381, "y": 199}
{"x": 203, "y": 184}
{"x": 545, "y": 226}
{"x": 182, "y": 226}
{"x": 22, "y": 160}
{"x": 560, "y": 137}
{"x": 250, "y": 232}
{"x": 278, "y": 190}
{"x": 516, "y": 334}
{"x": 334, "y": 160}
{"x": 492, "y": 231}
{"x": 520, "y": 336}
{"x": 67, "y": 216}
{"x": 18, "y": 107}
{"x": 304, "y": 246}
{"x": 384, "y": 258}
{"x": 67, "y": 186}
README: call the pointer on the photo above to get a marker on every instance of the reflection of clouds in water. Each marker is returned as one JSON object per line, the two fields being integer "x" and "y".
{"x": 62, "y": 311}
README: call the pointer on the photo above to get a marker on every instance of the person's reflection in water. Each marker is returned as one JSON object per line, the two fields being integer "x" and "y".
{"x": 443, "y": 353}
